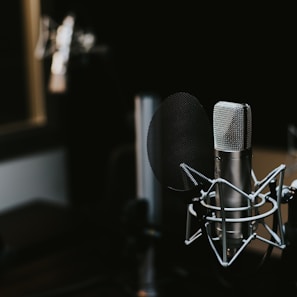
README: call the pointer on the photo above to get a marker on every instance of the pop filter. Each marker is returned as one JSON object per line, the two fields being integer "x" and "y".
{"x": 180, "y": 132}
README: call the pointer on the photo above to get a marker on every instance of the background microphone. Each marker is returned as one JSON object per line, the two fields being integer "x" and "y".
{"x": 147, "y": 189}
{"x": 232, "y": 129}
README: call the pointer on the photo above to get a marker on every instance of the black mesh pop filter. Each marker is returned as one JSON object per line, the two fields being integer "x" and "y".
{"x": 180, "y": 132}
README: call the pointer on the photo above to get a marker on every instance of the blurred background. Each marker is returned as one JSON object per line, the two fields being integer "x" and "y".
{"x": 67, "y": 147}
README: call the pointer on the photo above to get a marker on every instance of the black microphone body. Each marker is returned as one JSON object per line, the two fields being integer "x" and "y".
{"x": 233, "y": 163}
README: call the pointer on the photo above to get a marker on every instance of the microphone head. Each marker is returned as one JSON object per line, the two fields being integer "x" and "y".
{"x": 232, "y": 126}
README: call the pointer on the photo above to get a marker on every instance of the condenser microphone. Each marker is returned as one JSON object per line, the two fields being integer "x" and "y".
{"x": 232, "y": 129}
{"x": 223, "y": 196}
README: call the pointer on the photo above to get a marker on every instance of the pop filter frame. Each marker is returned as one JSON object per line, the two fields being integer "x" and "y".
{"x": 179, "y": 131}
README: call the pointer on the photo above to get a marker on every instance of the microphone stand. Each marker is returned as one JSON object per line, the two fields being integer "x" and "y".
{"x": 289, "y": 255}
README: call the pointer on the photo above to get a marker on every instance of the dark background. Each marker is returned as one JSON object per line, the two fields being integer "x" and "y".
{"x": 246, "y": 55}
{"x": 242, "y": 54}
{"x": 214, "y": 53}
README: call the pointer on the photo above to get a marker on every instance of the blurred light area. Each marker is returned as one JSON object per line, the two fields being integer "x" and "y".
{"x": 61, "y": 41}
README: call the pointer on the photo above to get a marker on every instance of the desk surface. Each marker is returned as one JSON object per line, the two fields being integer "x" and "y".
{"x": 50, "y": 250}
{"x": 264, "y": 161}
{"x": 73, "y": 258}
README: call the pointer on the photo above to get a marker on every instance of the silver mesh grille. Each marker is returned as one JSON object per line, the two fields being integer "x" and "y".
{"x": 232, "y": 126}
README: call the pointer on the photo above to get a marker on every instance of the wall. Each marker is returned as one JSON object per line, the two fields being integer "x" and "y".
{"x": 40, "y": 175}
{"x": 244, "y": 56}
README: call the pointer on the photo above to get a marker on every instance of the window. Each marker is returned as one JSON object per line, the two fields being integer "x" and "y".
{"x": 22, "y": 103}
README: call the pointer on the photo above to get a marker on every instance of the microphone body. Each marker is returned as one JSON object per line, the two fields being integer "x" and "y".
{"x": 233, "y": 163}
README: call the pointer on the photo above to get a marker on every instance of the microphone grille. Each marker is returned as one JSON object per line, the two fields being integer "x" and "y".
{"x": 232, "y": 126}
